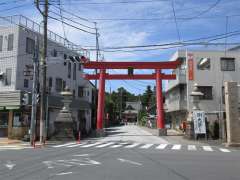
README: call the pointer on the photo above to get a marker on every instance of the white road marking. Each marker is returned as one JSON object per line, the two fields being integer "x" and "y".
{"x": 207, "y": 148}
{"x": 62, "y": 145}
{"x": 64, "y": 173}
{"x": 81, "y": 155}
{"x": 146, "y": 146}
{"x": 76, "y": 145}
{"x": 176, "y": 147}
{"x": 105, "y": 145}
{"x": 161, "y": 146}
{"x": 132, "y": 145}
{"x": 118, "y": 145}
{"x": 224, "y": 150}
{"x": 192, "y": 148}
{"x": 10, "y": 165}
{"x": 90, "y": 145}
{"x": 130, "y": 162}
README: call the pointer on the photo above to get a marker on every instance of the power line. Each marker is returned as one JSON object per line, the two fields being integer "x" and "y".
{"x": 72, "y": 14}
{"x": 64, "y": 32}
{"x": 71, "y": 20}
{"x": 188, "y": 42}
{"x": 72, "y": 26}
{"x": 175, "y": 20}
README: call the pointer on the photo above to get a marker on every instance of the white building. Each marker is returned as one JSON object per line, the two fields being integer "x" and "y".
{"x": 17, "y": 39}
{"x": 209, "y": 69}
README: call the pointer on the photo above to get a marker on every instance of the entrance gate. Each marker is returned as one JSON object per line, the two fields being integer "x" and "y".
{"x": 158, "y": 76}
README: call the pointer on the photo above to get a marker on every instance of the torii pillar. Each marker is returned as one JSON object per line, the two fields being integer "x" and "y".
{"x": 101, "y": 103}
{"x": 160, "y": 110}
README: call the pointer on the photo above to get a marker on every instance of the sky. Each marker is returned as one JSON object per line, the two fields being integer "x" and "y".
{"x": 136, "y": 23}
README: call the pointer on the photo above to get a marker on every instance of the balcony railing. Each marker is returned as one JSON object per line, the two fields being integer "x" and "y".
{"x": 33, "y": 26}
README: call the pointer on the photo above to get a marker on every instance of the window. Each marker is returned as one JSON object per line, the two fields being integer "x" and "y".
{"x": 58, "y": 85}
{"x": 3, "y": 119}
{"x": 223, "y": 95}
{"x": 74, "y": 93}
{"x": 63, "y": 85}
{"x": 10, "y": 42}
{"x": 21, "y": 120}
{"x": 69, "y": 69}
{"x": 30, "y": 43}
{"x": 207, "y": 92}
{"x": 54, "y": 53}
{"x": 227, "y": 64}
{"x": 74, "y": 71}
{"x": 204, "y": 64}
{"x": 8, "y": 77}
{"x": 26, "y": 83}
{"x": 65, "y": 56}
{"x": 49, "y": 82}
{"x": 79, "y": 67}
{"x": 1, "y": 43}
{"x": 80, "y": 91}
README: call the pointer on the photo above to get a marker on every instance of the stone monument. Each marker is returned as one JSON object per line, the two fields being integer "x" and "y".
{"x": 64, "y": 121}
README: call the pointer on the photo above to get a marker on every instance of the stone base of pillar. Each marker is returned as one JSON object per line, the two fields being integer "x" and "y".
{"x": 100, "y": 133}
{"x": 162, "y": 132}
{"x": 189, "y": 134}
{"x": 63, "y": 131}
{"x": 232, "y": 144}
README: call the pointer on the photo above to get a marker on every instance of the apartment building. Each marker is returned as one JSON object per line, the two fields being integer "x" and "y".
{"x": 209, "y": 69}
{"x": 17, "y": 39}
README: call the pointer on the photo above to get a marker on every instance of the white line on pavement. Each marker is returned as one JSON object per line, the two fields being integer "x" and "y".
{"x": 207, "y": 148}
{"x": 192, "y": 148}
{"x": 176, "y": 147}
{"x": 118, "y": 145}
{"x": 130, "y": 162}
{"x": 64, "y": 173}
{"x": 76, "y": 145}
{"x": 62, "y": 145}
{"x": 146, "y": 146}
{"x": 90, "y": 145}
{"x": 224, "y": 150}
{"x": 161, "y": 146}
{"x": 105, "y": 145}
{"x": 132, "y": 145}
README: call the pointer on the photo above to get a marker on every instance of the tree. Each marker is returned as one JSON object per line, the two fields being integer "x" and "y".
{"x": 146, "y": 97}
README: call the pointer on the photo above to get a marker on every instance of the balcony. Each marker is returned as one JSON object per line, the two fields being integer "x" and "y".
{"x": 180, "y": 79}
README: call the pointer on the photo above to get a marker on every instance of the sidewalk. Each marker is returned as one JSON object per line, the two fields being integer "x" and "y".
{"x": 176, "y": 137}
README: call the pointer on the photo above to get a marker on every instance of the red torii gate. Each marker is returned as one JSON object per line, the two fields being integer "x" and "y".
{"x": 158, "y": 76}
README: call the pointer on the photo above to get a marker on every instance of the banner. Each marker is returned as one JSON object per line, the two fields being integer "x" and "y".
{"x": 190, "y": 66}
{"x": 199, "y": 122}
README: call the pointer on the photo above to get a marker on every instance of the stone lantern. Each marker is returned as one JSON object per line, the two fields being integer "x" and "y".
{"x": 64, "y": 121}
{"x": 196, "y": 95}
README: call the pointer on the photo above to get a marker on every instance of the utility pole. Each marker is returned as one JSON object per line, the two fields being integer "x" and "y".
{"x": 34, "y": 91}
{"x": 97, "y": 49}
{"x": 120, "y": 113}
{"x": 43, "y": 71}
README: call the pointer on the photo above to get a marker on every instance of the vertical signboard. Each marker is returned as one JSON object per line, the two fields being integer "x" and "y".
{"x": 199, "y": 122}
{"x": 190, "y": 67}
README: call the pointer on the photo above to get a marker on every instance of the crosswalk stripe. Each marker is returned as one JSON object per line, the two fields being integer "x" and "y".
{"x": 161, "y": 146}
{"x": 176, "y": 147}
{"x": 118, "y": 145}
{"x": 105, "y": 145}
{"x": 146, "y": 146}
{"x": 207, "y": 148}
{"x": 132, "y": 145}
{"x": 62, "y": 145}
{"x": 224, "y": 150}
{"x": 90, "y": 145}
{"x": 76, "y": 145}
{"x": 192, "y": 148}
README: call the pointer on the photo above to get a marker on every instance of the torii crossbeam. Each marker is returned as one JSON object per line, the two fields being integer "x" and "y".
{"x": 158, "y": 76}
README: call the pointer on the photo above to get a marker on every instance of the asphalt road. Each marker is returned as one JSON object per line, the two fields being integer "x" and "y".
{"x": 103, "y": 162}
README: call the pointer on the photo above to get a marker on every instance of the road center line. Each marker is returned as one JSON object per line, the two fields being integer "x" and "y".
{"x": 64, "y": 173}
